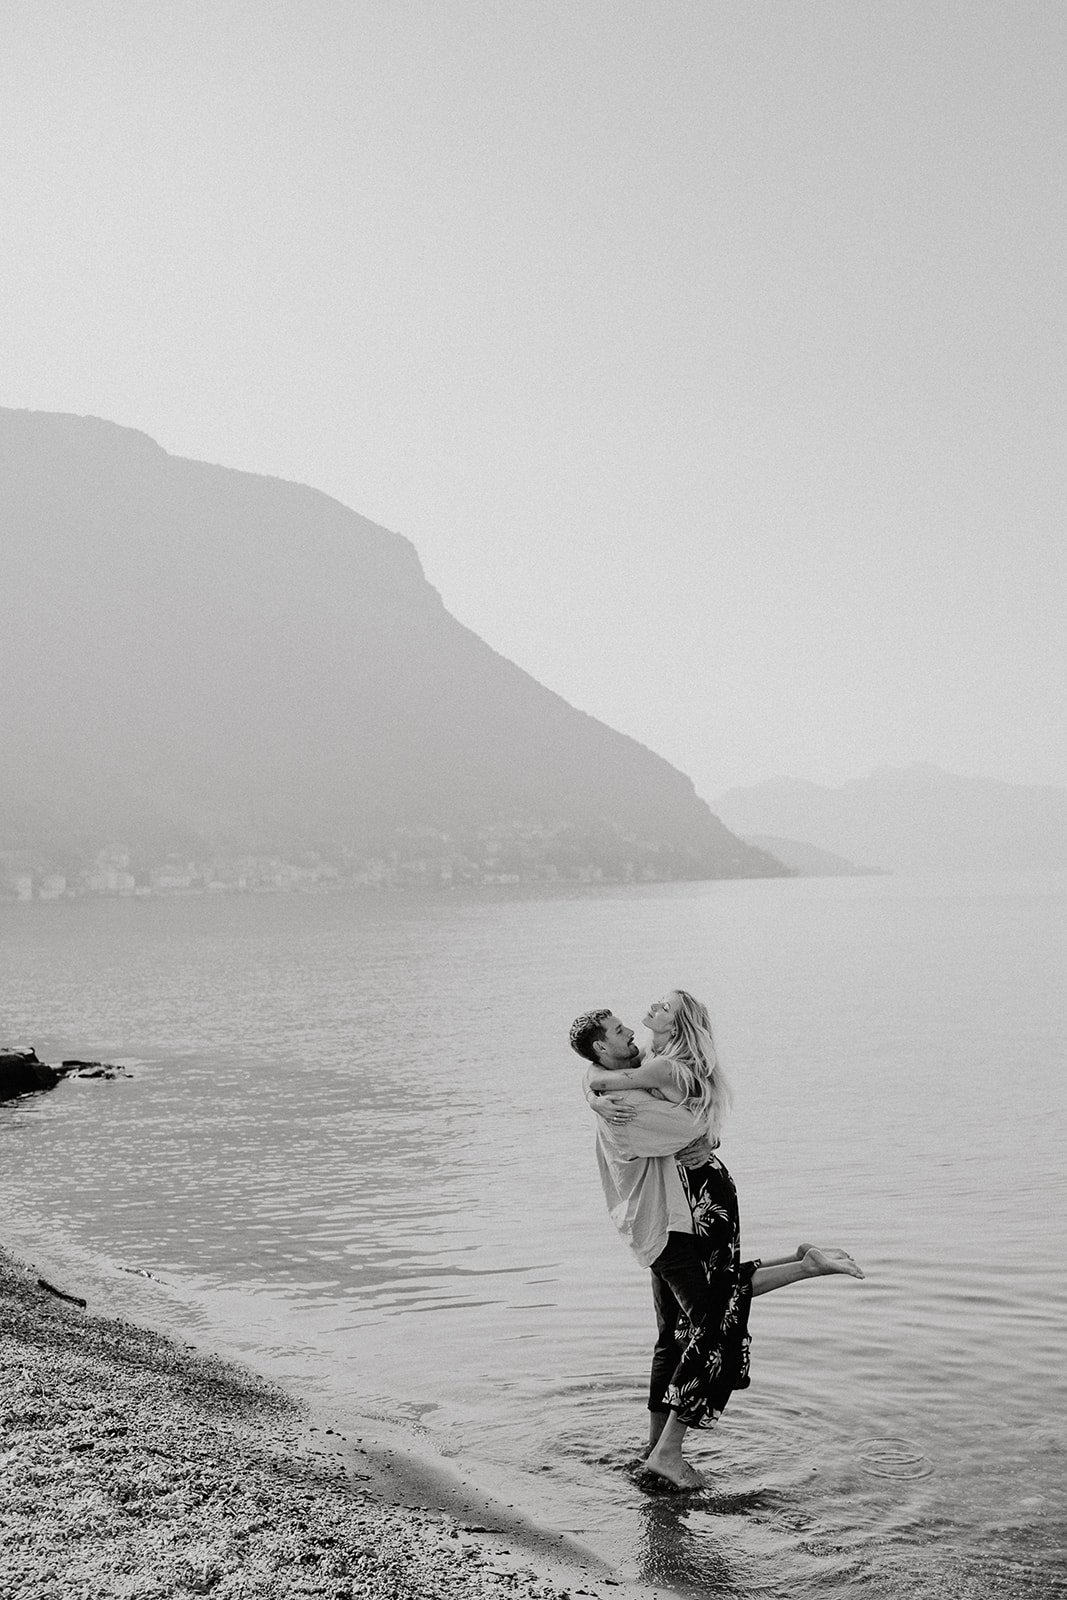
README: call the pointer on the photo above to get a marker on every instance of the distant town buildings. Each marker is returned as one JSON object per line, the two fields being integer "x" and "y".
{"x": 503, "y": 853}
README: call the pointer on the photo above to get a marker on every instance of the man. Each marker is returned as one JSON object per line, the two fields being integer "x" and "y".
{"x": 640, "y": 1142}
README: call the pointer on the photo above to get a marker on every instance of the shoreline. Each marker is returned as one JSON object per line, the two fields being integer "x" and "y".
{"x": 136, "y": 1464}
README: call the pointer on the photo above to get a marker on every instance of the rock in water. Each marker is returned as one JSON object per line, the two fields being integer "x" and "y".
{"x": 92, "y": 1069}
{"x": 22, "y": 1073}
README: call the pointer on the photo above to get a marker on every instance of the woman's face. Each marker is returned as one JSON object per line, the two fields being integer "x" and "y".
{"x": 659, "y": 1018}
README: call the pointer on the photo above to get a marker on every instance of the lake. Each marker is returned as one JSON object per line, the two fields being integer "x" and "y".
{"x": 354, "y": 1147}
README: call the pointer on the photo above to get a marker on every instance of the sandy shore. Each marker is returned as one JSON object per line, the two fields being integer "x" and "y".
{"x": 136, "y": 1466}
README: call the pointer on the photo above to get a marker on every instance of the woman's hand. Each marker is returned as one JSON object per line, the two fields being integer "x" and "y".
{"x": 614, "y": 1108}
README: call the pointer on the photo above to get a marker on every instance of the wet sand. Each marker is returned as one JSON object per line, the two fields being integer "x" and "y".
{"x": 137, "y": 1466}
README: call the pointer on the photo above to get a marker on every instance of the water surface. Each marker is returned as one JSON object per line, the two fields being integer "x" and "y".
{"x": 354, "y": 1140}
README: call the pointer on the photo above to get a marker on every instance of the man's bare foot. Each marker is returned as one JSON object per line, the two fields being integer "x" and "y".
{"x": 819, "y": 1262}
{"x": 674, "y": 1469}
{"x": 657, "y": 1421}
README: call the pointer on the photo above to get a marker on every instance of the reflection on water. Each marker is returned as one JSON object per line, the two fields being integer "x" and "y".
{"x": 354, "y": 1138}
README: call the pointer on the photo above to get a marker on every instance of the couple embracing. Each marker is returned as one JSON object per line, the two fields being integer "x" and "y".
{"x": 660, "y": 1111}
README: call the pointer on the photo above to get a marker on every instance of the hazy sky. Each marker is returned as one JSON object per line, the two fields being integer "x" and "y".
{"x": 711, "y": 354}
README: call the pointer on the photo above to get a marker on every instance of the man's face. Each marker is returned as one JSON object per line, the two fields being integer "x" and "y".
{"x": 617, "y": 1048}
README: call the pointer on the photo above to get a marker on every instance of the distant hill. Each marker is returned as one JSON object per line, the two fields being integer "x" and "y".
{"x": 911, "y": 819}
{"x": 806, "y": 860}
{"x": 197, "y": 658}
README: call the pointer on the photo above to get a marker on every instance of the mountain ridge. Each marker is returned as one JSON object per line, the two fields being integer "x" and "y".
{"x": 244, "y": 662}
{"x": 913, "y": 818}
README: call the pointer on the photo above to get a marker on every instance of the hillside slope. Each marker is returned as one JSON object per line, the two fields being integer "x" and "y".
{"x": 199, "y": 655}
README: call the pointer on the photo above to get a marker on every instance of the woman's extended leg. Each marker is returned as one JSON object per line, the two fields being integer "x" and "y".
{"x": 808, "y": 1262}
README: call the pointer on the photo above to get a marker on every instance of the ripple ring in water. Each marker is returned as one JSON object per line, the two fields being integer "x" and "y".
{"x": 890, "y": 1457}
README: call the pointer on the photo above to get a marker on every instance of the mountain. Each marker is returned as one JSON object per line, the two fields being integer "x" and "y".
{"x": 911, "y": 819}
{"x": 197, "y": 659}
{"x": 806, "y": 860}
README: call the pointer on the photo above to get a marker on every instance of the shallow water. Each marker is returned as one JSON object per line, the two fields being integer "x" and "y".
{"x": 355, "y": 1145}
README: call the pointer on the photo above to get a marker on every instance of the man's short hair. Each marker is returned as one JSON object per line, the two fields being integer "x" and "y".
{"x": 588, "y": 1030}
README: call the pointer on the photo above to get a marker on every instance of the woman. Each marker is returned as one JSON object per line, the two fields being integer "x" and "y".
{"x": 701, "y": 1288}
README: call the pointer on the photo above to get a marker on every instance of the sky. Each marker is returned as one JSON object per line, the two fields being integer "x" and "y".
{"x": 711, "y": 354}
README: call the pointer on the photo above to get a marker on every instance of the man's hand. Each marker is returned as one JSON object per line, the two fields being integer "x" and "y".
{"x": 695, "y": 1154}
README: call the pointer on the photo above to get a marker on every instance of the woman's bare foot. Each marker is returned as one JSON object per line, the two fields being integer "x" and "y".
{"x": 818, "y": 1262}
{"x": 830, "y": 1250}
{"x": 674, "y": 1469}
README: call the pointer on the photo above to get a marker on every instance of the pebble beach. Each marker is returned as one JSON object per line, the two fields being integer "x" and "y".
{"x": 137, "y": 1466}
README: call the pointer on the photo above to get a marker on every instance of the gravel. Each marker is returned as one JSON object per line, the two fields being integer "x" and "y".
{"x": 131, "y": 1465}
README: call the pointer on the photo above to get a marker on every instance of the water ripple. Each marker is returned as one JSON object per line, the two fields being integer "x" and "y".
{"x": 354, "y": 1129}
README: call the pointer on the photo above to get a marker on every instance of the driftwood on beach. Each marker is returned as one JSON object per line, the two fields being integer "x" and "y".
{"x": 61, "y": 1294}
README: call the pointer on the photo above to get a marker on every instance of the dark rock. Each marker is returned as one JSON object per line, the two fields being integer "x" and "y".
{"x": 25, "y": 1053}
{"x": 92, "y": 1069}
{"x": 22, "y": 1073}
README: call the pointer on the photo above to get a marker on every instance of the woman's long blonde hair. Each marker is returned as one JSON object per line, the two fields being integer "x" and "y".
{"x": 695, "y": 1062}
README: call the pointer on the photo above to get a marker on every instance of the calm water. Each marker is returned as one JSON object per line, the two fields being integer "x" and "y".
{"x": 354, "y": 1144}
